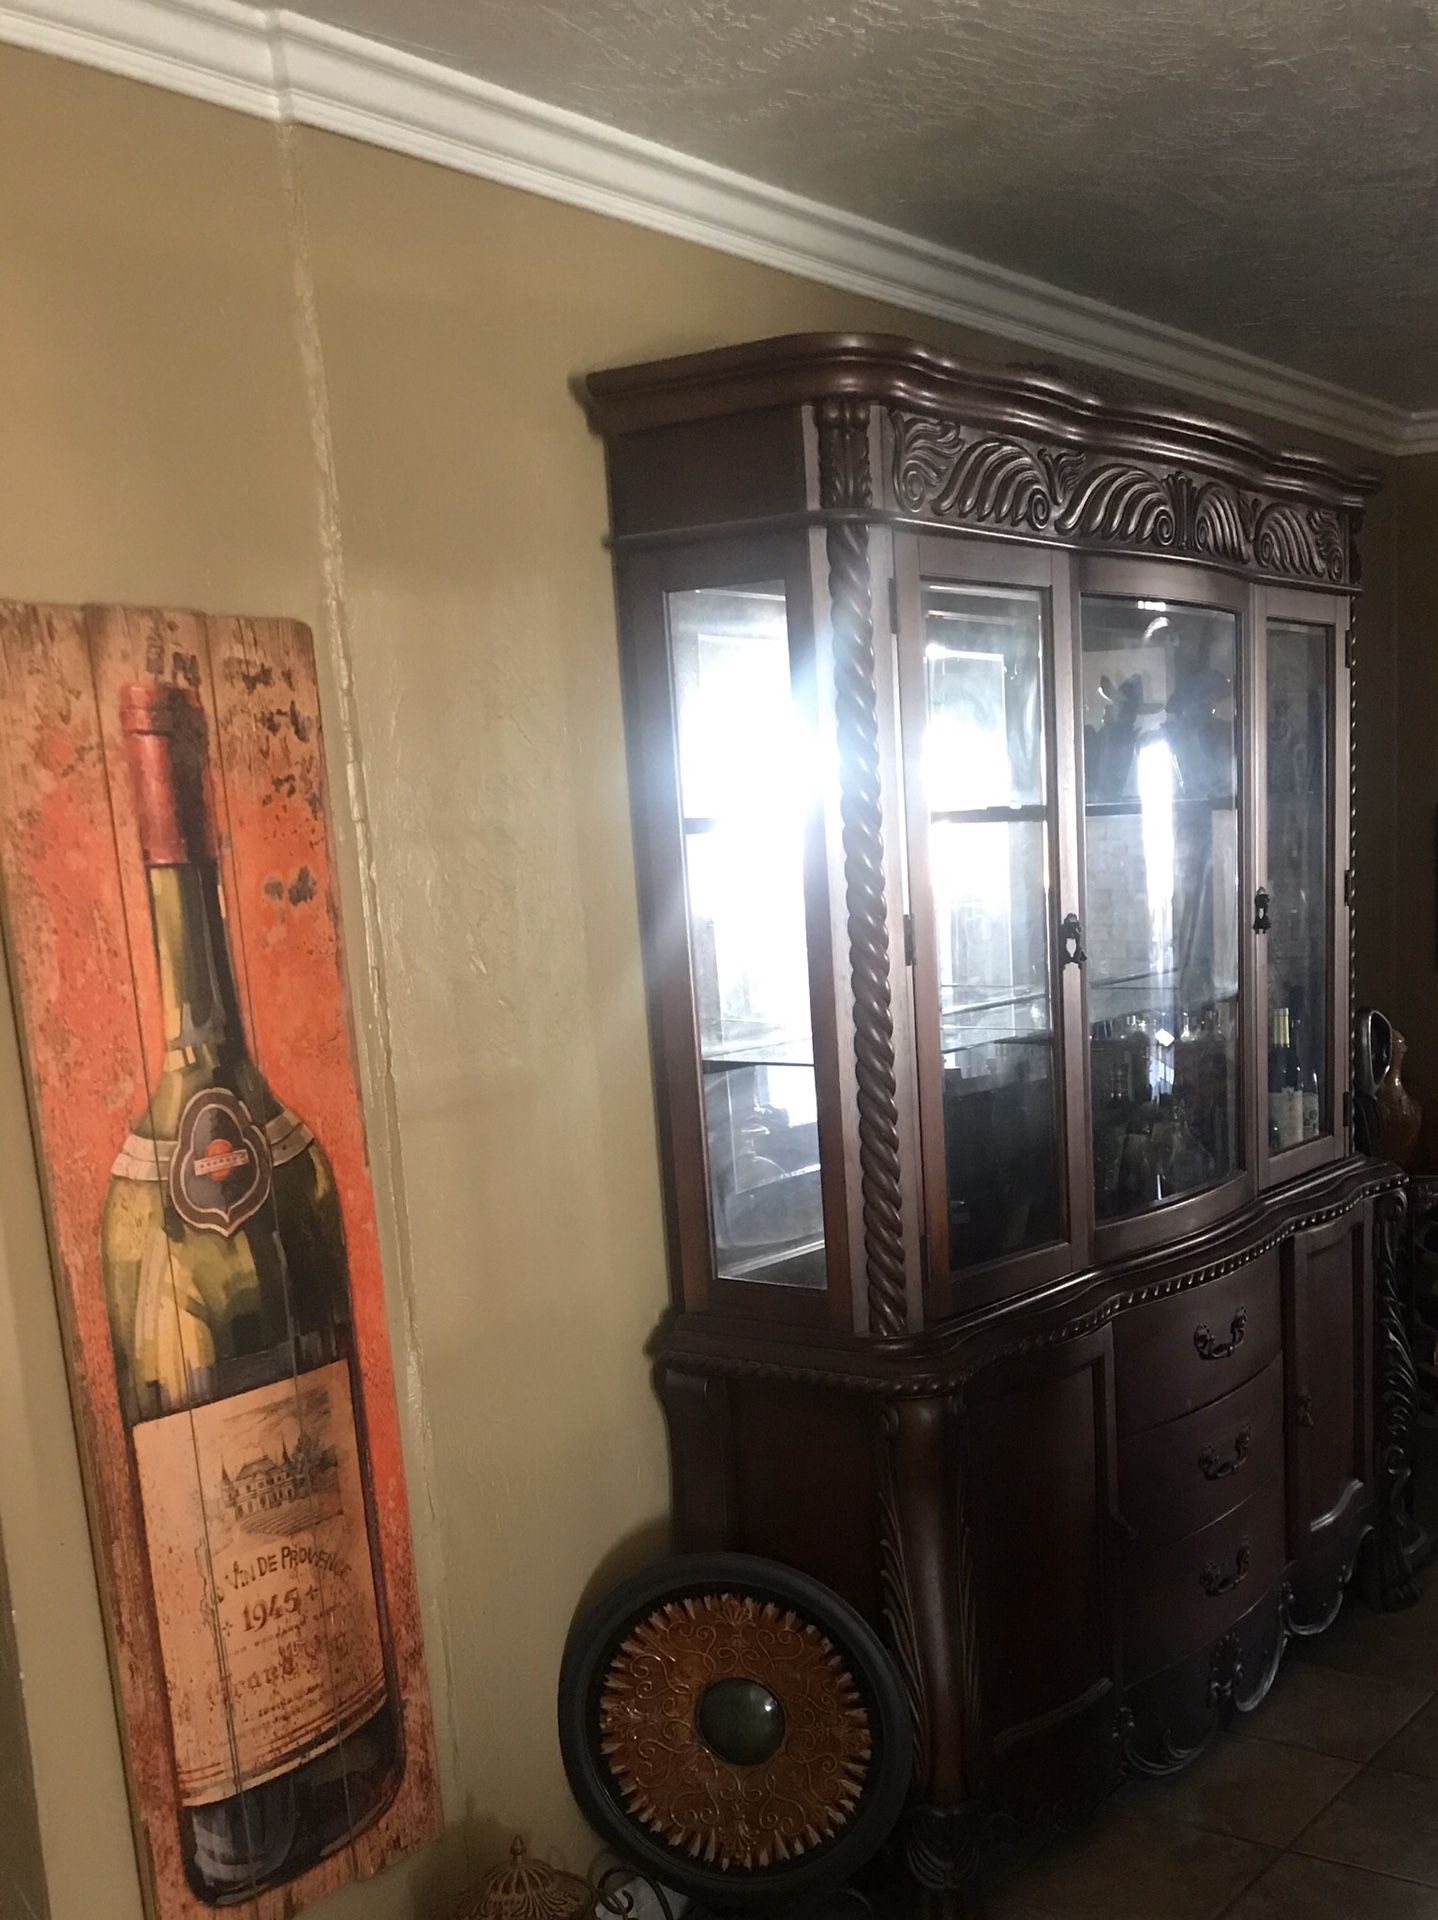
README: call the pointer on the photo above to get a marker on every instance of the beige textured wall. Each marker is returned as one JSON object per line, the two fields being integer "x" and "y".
{"x": 23, "y": 1892}
{"x": 1411, "y": 995}
{"x": 287, "y": 373}
{"x": 1374, "y": 689}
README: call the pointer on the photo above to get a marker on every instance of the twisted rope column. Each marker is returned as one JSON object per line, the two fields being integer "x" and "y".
{"x": 844, "y": 482}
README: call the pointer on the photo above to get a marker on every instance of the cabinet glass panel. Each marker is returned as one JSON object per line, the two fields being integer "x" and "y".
{"x": 748, "y": 793}
{"x": 985, "y": 783}
{"x": 1163, "y": 901}
{"x": 1297, "y": 867}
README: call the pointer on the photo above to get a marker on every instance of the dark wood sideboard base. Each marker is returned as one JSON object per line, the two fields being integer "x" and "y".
{"x": 1089, "y": 1523}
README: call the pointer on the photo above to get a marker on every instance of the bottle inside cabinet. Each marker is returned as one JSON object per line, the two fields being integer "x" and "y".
{"x": 1161, "y": 847}
{"x": 1297, "y": 864}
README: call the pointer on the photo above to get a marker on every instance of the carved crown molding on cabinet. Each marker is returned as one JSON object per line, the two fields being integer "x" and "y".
{"x": 945, "y": 471}
{"x": 1002, "y": 450}
{"x": 1022, "y": 405}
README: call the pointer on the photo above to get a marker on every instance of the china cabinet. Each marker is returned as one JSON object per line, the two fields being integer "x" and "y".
{"x": 991, "y": 767}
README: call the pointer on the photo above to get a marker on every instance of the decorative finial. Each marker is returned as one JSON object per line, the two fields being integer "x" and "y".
{"x": 525, "y": 1889}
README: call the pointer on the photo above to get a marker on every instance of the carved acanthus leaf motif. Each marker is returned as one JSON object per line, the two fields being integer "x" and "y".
{"x": 943, "y": 471}
{"x": 941, "y": 1844}
{"x": 844, "y": 478}
{"x": 996, "y": 481}
{"x": 925, "y": 452}
{"x": 896, "y": 1590}
{"x": 1288, "y": 539}
{"x": 1107, "y": 501}
{"x": 1397, "y": 1408}
{"x": 1223, "y": 522}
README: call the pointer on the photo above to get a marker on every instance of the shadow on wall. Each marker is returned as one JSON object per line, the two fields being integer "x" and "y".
{"x": 22, "y": 1870}
{"x": 475, "y": 1842}
{"x": 629, "y": 1556}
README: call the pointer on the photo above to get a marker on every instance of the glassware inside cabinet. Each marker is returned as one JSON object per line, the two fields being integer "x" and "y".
{"x": 1297, "y": 869}
{"x": 986, "y": 786}
{"x": 1163, "y": 898}
{"x": 748, "y": 791}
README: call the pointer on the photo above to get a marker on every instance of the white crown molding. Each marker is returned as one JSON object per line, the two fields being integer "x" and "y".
{"x": 215, "y": 50}
{"x": 1420, "y": 433}
{"x": 281, "y": 66}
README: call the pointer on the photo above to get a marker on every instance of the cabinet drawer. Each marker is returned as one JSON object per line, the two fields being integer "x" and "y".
{"x": 1179, "y": 1597}
{"x": 1178, "y": 1477}
{"x": 1174, "y": 1355}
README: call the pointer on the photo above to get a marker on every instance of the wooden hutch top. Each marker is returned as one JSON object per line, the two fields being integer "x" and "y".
{"x": 1000, "y": 451}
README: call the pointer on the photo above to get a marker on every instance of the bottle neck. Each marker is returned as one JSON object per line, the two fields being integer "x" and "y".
{"x": 197, "y": 983}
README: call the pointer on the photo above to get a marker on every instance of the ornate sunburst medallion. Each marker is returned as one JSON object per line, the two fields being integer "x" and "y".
{"x": 735, "y": 1731}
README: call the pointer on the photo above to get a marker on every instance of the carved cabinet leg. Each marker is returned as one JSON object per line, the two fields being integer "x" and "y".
{"x": 928, "y": 1600}
{"x": 1398, "y": 1542}
{"x": 701, "y": 1453}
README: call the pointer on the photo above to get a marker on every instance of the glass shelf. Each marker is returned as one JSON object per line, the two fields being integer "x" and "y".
{"x": 747, "y": 770}
{"x": 977, "y": 816}
{"x": 1297, "y": 704}
{"x": 1175, "y": 804}
{"x": 1163, "y": 898}
{"x": 955, "y": 1053}
{"x": 990, "y": 823}
{"x": 805, "y": 1258}
{"x": 798, "y": 1052}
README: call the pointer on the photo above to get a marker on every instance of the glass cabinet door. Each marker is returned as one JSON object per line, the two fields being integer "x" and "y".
{"x": 747, "y": 797}
{"x": 1163, "y": 915}
{"x": 1297, "y": 865}
{"x": 984, "y": 784}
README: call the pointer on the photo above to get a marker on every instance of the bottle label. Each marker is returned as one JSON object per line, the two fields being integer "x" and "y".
{"x": 141, "y": 1158}
{"x": 1285, "y": 1117}
{"x": 220, "y": 1173}
{"x": 264, "y": 1589}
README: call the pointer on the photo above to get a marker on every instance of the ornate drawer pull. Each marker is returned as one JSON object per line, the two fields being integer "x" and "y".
{"x": 1215, "y": 1469}
{"x": 1211, "y": 1349}
{"x": 1215, "y": 1581}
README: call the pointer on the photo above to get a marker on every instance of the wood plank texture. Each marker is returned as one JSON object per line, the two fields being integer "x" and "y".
{"x": 81, "y": 958}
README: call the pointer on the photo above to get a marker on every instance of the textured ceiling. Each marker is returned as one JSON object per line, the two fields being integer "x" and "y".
{"x": 1262, "y": 172}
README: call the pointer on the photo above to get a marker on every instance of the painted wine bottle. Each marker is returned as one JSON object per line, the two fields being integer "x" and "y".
{"x": 228, "y": 1294}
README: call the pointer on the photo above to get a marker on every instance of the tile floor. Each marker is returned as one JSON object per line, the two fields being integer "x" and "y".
{"x": 1325, "y": 1804}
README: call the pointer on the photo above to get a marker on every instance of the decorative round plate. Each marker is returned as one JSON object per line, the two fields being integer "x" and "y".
{"x": 734, "y": 1727}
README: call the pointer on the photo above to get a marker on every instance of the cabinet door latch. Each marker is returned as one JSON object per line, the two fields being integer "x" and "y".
{"x": 908, "y": 939}
{"x": 1348, "y": 887}
{"x": 1071, "y": 941}
{"x": 1261, "y": 904}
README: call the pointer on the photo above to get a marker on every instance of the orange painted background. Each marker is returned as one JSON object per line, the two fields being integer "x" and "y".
{"x": 79, "y": 944}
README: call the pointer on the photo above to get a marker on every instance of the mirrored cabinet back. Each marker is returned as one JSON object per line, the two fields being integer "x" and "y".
{"x": 991, "y": 760}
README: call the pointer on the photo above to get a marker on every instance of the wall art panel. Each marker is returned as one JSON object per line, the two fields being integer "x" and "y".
{"x": 173, "y": 936}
